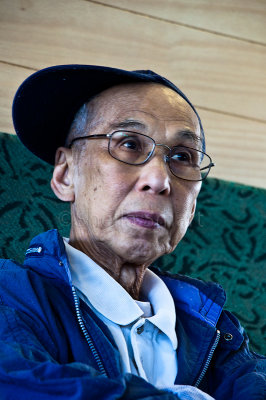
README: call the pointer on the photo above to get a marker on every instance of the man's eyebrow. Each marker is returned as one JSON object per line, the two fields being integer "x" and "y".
{"x": 190, "y": 135}
{"x": 128, "y": 124}
{"x": 133, "y": 124}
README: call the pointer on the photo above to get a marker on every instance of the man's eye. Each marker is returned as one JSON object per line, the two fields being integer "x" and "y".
{"x": 186, "y": 156}
{"x": 182, "y": 156}
{"x": 130, "y": 144}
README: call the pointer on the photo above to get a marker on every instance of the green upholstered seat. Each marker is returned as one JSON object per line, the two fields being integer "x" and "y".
{"x": 226, "y": 242}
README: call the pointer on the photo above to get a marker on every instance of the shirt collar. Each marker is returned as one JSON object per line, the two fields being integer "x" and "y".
{"x": 111, "y": 300}
{"x": 162, "y": 303}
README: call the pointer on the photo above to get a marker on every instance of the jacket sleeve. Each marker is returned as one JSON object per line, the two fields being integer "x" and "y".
{"x": 28, "y": 371}
{"x": 236, "y": 372}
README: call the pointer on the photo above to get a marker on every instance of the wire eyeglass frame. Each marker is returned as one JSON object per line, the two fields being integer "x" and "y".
{"x": 203, "y": 172}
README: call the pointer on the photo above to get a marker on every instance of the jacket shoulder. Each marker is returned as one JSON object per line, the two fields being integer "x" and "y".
{"x": 8, "y": 264}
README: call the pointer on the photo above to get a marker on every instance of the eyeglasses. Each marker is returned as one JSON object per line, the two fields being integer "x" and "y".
{"x": 135, "y": 148}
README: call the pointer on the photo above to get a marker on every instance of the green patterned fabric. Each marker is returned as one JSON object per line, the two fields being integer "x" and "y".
{"x": 226, "y": 242}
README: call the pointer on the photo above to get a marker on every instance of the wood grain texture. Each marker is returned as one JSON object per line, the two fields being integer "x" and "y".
{"x": 242, "y": 19}
{"x": 10, "y": 79}
{"x": 237, "y": 146}
{"x": 218, "y": 73}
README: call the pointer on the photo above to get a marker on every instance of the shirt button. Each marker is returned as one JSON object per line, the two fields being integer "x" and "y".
{"x": 140, "y": 329}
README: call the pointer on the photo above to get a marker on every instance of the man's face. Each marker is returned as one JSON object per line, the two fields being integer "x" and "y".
{"x": 135, "y": 212}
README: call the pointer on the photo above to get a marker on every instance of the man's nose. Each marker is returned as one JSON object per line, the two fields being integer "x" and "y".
{"x": 154, "y": 176}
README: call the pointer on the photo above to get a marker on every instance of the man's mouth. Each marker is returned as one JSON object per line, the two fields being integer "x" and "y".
{"x": 145, "y": 219}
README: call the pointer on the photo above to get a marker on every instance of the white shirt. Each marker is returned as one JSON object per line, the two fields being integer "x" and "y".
{"x": 143, "y": 331}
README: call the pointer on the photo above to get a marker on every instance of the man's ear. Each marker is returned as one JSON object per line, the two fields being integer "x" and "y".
{"x": 62, "y": 180}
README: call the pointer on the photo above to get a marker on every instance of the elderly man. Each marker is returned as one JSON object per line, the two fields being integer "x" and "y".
{"x": 85, "y": 317}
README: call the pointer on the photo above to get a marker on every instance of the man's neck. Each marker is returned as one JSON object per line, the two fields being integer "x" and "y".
{"x": 128, "y": 275}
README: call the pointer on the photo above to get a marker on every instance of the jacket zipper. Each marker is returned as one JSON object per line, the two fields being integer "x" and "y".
{"x": 207, "y": 362}
{"x": 87, "y": 335}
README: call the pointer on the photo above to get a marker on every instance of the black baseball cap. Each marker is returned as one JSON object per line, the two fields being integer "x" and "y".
{"x": 46, "y": 102}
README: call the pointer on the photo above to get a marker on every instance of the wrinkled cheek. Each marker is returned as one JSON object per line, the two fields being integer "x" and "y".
{"x": 167, "y": 247}
{"x": 180, "y": 227}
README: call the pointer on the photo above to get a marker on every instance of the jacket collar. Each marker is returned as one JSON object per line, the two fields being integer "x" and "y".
{"x": 201, "y": 300}
{"x": 49, "y": 246}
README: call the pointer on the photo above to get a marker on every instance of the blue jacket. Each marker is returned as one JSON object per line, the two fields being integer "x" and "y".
{"x": 52, "y": 346}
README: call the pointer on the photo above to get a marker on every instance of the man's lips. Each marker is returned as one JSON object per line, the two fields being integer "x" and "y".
{"x": 145, "y": 219}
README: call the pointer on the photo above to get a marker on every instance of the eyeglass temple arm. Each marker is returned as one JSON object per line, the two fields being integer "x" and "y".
{"x": 208, "y": 166}
{"x": 87, "y": 137}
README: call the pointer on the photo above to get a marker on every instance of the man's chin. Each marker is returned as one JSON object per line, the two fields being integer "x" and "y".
{"x": 140, "y": 251}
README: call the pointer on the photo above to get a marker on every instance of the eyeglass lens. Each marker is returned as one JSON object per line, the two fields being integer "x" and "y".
{"x": 136, "y": 148}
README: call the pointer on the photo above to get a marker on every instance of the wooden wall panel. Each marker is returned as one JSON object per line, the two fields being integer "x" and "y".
{"x": 224, "y": 77}
{"x": 10, "y": 78}
{"x": 237, "y": 146}
{"x": 243, "y": 19}
{"x": 230, "y": 73}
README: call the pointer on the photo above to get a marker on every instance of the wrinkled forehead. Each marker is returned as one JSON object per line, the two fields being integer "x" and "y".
{"x": 144, "y": 106}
